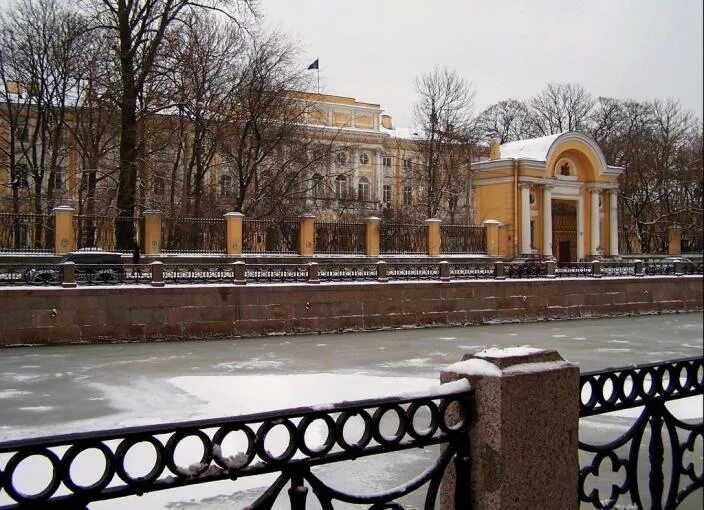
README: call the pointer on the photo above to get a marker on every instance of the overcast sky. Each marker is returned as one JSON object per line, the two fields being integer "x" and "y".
{"x": 373, "y": 49}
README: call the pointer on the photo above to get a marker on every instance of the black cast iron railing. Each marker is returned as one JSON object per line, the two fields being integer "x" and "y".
{"x": 270, "y": 236}
{"x": 621, "y": 268}
{"x": 403, "y": 238}
{"x": 574, "y": 270}
{"x": 387, "y": 425}
{"x": 98, "y": 232}
{"x": 655, "y": 457}
{"x": 26, "y": 233}
{"x": 471, "y": 270}
{"x": 525, "y": 270}
{"x": 348, "y": 272}
{"x": 337, "y": 237}
{"x": 193, "y": 235}
{"x": 462, "y": 239}
{"x": 199, "y": 273}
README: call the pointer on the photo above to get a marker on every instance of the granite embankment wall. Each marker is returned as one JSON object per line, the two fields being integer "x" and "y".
{"x": 95, "y": 314}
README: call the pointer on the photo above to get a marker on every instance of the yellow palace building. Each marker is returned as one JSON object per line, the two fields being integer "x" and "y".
{"x": 553, "y": 196}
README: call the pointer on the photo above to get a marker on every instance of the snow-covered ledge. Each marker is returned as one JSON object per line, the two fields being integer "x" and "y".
{"x": 524, "y": 428}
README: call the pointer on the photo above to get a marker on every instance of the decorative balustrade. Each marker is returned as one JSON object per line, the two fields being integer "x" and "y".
{"x": 670, "y": 464}
{"x": 574, "y": 270}
{"x": 387, "y": 425}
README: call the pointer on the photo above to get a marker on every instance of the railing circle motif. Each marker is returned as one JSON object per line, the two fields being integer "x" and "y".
{"x": 342, "y": 421}
{"x": 262, "y": 434}
{"x": 194, "y": 469}
{"x": 401, "y": 428}
{"x": 432, "y": 425}
{"x": 124, "y": 448}
{"x": 232, "y": 462}
{"x": 326, "y": 445}
{"x": 50, "y": 487}
{"x": 74, "y": 452}
{"x": 451, "y": 420}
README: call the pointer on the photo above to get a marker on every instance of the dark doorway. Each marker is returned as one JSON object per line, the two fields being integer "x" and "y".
{"x": 564, "y": 231}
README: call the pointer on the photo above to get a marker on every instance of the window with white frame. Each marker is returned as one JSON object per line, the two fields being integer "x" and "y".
{"x": 386, "y": 161}
{"x": 408, "y": 163}
{"x": 59, "y": 177}
{"x": 225, "y": 185}
{"x": 364, "y": 158}
{"x": 341, "y": 186}
{"x": 407, "y": 195}
{"x": 387, "y": 193}
{"x": 363, "y": 189}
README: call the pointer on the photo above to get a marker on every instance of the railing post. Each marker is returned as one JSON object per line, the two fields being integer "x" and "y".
{"x": 499, "y": 270}
{"x": 233, "y": 232}
{"x": 550, "y": 268}
{"x": 65, "y": 237}
{"x": 372, "y": 236}
{"x": 152, "y": 233}
{"x": 382, "y": 271}
{"x": 523, "y": 437}
{"x": 306, "y": 236}
{"x": 240, "y": 270}
{"x": 638, "y": 267}
{"x": 491, "y": 231}
{"x": 433, "y": 236}
{"x": 674, "y": 240}
{"x": 68, "y": 275}
{"x": 313, "y": 272}
{"x": 444, "y": 271}
{"x": 596, "y": 269}
{"x": 157, "y": 274}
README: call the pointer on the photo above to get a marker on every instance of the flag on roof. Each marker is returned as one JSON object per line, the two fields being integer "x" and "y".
{"x": 314, "y": 65}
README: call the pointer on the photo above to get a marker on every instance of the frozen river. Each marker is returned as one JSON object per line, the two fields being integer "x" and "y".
{"x": 49, "y": 390}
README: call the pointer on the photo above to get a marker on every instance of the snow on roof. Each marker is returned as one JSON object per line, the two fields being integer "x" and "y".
{"x": 403, "y": 133}
{"x": 532, "y": 148}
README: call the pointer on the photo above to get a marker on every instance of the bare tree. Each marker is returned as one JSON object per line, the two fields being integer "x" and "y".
{"x": 139, "y": 28}
{"x": 560, "y": 107}
{"x": 506, "y": 121}
{"x": 443, "y": 114}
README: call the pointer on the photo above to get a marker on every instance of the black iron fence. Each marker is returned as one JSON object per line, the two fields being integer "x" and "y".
{"x": 242, "y": 272}
{"x": 403, "y": 238}
{"x": 244, "y": 446}
{"x": 462, "y": 239}
{"x": 653, "y": 464}
{"x": 193, "y": 235}
{"x": 337, "y": 237}
{"x": 26, "y": 233}
{"x": 98, "y": 232}
{"x": 270, "y": 236}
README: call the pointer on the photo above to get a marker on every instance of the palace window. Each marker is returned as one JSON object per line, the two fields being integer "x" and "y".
{"x": 318, "y": 186}
{"x": 58, "y": 178}
{"x": 408, "y": 163}
{"x": 565, "y": 169}
{"x": 364, "y": 158}
{"x": 341, "y": 186}
{"x": 387, "y": 193}
{"x": 225, "y": 185}
{"x": 386, "y": 161}
{"x": 159, "y": 186}
{"x": 21, "y": 175}
{"x": 407, "y": 195}
{"x": 341, "y": 158}
{"x": 363, "y": 189}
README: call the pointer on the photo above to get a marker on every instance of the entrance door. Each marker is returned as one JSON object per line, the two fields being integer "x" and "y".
{"x": 564, "y": 230}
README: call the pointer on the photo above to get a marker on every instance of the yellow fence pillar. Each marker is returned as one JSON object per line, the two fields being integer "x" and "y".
{"x": 674, "y": 240}
{"x": 306, "y": 236}
{"x": 152, "y": 232}
{"x": 65, "y": 238}
{"x": 233, "y": 222}
{"x": 492, "y": 237}
{"x": 373, "y": 224}
{"x": 433, "y": 236}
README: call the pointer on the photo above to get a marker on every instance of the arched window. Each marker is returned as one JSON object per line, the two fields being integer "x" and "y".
{"x": 565, "y": 169}
{"x": 318, "y": 186}
{"x": 341, "y": 186}
{"x": 363, "y": 189}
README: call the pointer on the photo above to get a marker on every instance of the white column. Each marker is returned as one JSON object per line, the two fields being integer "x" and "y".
{"x": 596, "y": 234}
{"x": 613, "y": 223}
{"x": 547, "y": 220}
{"x": 525, "y": 219}
{"x": 580, "y": 228}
